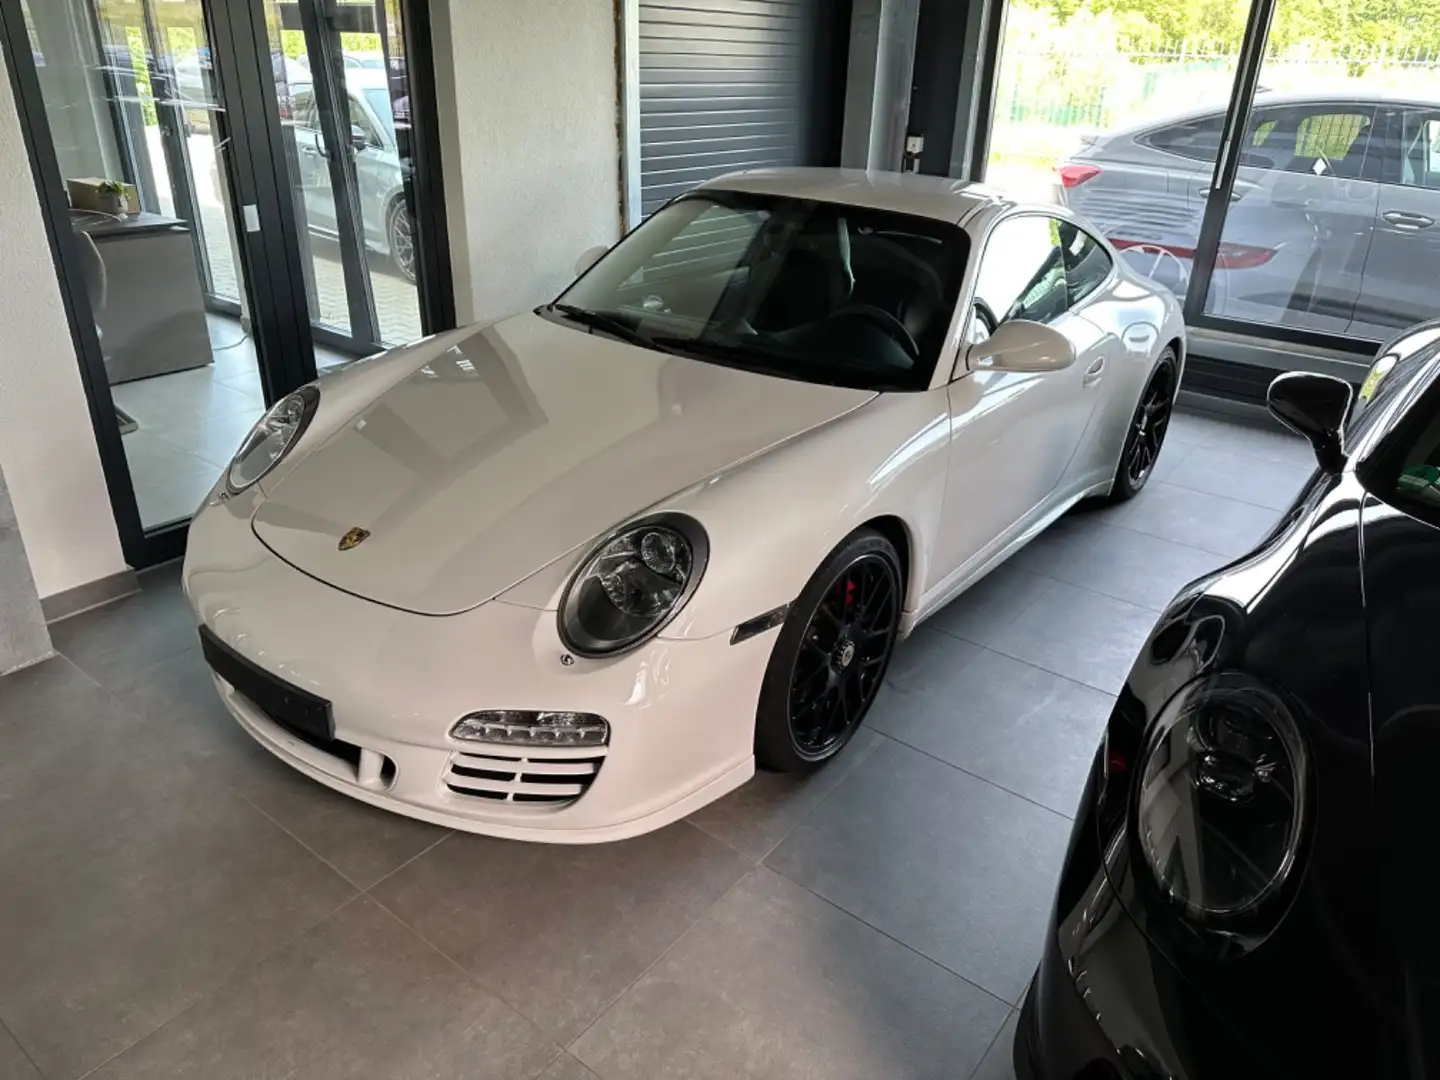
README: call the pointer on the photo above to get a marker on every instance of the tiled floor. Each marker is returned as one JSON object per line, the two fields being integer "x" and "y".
{"x": 175, "y": 903}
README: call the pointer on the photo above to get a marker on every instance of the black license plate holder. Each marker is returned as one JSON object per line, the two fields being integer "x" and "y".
{"x": 286, "y": 704}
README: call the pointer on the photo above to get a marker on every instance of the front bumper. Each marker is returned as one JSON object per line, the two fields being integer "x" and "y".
{"x": 681, "y": 713}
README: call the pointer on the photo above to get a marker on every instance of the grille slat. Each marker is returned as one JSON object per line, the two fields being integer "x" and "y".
{"x": 550, "y": 777}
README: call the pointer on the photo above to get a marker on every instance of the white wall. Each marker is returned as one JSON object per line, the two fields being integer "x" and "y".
{"x": 529, "y": 137}
{"x": 47, "y": 445}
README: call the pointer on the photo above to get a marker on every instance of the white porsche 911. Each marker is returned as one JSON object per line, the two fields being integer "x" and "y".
{"x": 571, "y": 576}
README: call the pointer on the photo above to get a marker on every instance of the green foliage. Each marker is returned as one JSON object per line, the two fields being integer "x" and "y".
{"x": 1394, "y": 25}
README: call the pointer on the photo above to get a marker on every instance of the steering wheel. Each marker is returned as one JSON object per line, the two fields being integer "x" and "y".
{"x": 885, "y": 321}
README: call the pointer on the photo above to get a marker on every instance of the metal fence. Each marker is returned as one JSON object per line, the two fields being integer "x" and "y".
{"x": 1052, "y": 92}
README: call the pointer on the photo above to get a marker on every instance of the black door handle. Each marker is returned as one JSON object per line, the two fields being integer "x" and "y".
{"x": 1403, "y": 219}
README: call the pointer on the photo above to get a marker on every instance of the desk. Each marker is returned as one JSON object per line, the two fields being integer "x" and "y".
{"x": 153, "y": 322}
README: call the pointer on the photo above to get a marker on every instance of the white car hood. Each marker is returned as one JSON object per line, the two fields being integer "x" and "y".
{"x": 518, "y": 444}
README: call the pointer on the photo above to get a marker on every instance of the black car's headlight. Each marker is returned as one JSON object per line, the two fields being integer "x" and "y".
{"x": 271, "y": 439}
{"x": 1220, "y": 809}
{"x": 632, "y": 584}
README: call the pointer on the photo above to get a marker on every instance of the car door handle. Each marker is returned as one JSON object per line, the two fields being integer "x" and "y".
{"x": 1093, "y": 372}
{"x": 1403, "y": 219}
{"x": 1235, "y": 196}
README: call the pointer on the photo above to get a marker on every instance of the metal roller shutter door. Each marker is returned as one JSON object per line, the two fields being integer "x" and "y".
{"x": 724, "y": 85}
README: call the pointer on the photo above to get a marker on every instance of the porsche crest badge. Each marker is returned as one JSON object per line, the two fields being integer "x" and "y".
{"x": 354, "y": 538}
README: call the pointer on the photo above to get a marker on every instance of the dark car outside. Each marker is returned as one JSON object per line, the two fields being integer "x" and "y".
{"x": 1246, "y": 891}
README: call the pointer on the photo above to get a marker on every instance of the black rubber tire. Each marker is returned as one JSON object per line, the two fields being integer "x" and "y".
{"x": 404, "y": 267}
{"x": 1124, "y": 486}
{"x": 775, "y": 745}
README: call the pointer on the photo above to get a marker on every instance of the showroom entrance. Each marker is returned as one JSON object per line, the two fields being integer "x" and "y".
{"x": 1276, "y": 163}
{"x": 239, "y": 193}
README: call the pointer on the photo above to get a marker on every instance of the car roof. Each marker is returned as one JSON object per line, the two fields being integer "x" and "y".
{"x": 366, "y": 78}
{"x": 1264, "y": 97}
{"x": 936, "y": 197}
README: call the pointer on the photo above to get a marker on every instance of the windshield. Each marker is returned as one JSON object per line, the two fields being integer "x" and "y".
{"x": 792, "y": 287}
{"x": 379, "y": 100}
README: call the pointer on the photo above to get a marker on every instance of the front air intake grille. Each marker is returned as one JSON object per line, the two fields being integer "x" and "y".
{"x": 553, "y": 776}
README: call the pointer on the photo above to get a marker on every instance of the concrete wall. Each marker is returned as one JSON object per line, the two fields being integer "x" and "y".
{"x": 47, "y": 446}
{"x": 530, "y": 142}
{"x": 23, "y": 636}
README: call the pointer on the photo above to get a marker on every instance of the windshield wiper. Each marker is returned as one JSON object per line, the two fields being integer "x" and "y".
{"x": 598, "y": 320}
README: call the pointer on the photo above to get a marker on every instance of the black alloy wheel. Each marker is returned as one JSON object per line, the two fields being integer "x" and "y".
{"x": 1147, "y": 430}
{"x": 402, "y": 240}
{"x": 830, "y": 656}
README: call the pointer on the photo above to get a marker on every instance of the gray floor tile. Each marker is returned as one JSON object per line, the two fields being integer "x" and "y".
{"x": 1254, "y": 480}
{"x": 758, "y": 815}
{"x": 358, "y": 995}
{"x": 1210, "y": 522}
{"x": 14, "y": 1065}
{"x": 117, "y": 641}
{"x": 115, "y": 934}
{"x": 1080, "y": 634}
{"x": 946, "y": 863}
{"x": 1083, "y": 549}
{"x": 566, "y": 1067}
{"x": 989, "y": 606}
{"x": 1027, "y": 730}
{"x": 1268, "y": 441}
{"x": 362, "y": 842}
{"x": 774, "y": 982}
{"x": 559, "y": 931}
{"x": 1188, "y": 429}
{"x": 71, "y": 755}
{"x": 999, "y": 1063}
{"x": 1172, "y": 455}
{"x": 927, "y": 654}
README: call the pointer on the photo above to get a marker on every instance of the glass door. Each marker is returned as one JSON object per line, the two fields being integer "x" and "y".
{"x": 342, "y": 98}
{"x": 230, "y": 188}
{"x": 1326, "y": 218}
{"x": 138, "y": 126}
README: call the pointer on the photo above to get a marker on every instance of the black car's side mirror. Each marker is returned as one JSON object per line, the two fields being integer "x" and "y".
{"x": 358, "y": 139}
{"x": 1314, "y": 406}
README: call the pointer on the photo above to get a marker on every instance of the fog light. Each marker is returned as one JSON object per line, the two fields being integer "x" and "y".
{"x": 523, "y": 728}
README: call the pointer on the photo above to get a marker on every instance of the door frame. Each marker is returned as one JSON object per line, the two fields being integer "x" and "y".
{"x": 269, "y": 250}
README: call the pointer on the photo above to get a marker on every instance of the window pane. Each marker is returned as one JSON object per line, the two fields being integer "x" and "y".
{"x": 1117, "y": 114}
{"x": 1023, "y": 272}
{"x": 1087, "y": 264}
{"x": 130, "y": 104}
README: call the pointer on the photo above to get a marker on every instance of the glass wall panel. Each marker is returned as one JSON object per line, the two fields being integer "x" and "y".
{"x": 1116, "y": 111}
{"x": 1331, "y": 224}
{"x": 131, "y": 101}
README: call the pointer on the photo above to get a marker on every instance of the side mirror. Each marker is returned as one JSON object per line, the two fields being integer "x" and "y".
{"x": 1314, "y": 406}
{"x": 358, "y": 139}
{"x": 1021, "y": 345}
{"x": 589, "y": 258}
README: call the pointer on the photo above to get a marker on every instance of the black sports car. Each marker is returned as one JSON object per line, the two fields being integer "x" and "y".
{"x": 1250, "y": 888}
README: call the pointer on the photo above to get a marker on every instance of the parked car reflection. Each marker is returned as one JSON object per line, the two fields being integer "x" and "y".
{"x": 1330, "y": 225}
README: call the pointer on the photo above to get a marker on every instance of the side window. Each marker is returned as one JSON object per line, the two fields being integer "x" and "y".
{"x": 1408, "y": 477}
{"x": 1327, "y": 140}
{"x": 359, "y": 118}
{"x": 1419, "y": 149}
{"x": 1195, "y": 139}
{"x": 303, "y": 109}
{"x": 1087, "y": 263}
{"x": 1022, "y": 273}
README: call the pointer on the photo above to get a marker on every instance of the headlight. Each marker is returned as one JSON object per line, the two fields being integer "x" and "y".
{"x": 632, "y": 584}
{"x": 271, "y": 439}
{"x": 1221, "y": 805}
